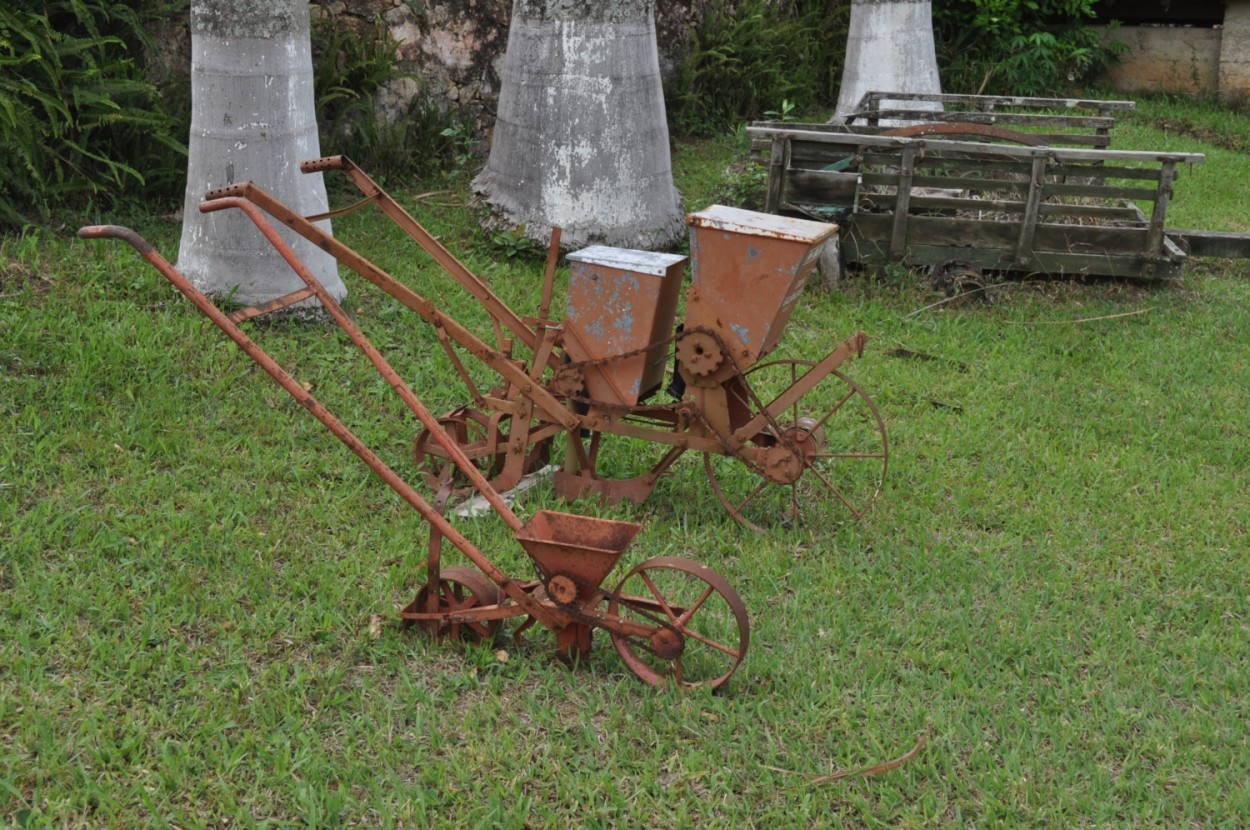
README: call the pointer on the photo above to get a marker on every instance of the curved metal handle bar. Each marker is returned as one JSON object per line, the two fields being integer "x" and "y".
{"x": 384, "y": 368}
{"x": 500, "y": 312}
{"x": 545, "y": 614}
{"x": 509, "y": 369}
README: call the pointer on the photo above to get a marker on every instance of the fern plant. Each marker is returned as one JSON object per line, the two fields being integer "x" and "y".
{"x": 77, "y": 121}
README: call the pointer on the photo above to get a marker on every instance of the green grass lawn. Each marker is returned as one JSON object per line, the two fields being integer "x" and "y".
{"x": 199, "y": 583}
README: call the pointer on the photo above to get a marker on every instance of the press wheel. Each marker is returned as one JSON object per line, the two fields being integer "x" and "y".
{"x": 833, "y": 440}
{"x": 702, "y": 631}
{"x": 468, "y": 428}
{"x": 460, "y": 588}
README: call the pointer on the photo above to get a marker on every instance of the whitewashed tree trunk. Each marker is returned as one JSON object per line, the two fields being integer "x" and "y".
{"x": 581, "y": 138}
{"x": 889, "y": 49}
{"x": 252, "y": 119}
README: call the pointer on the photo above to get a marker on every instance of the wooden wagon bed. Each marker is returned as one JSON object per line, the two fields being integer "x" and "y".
{"x": 1016, "y": 207}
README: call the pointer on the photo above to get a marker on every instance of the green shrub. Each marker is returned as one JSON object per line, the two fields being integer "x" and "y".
{"x": 78, "y": 123}
{"x": 751, "y": 56}
{"x": 1033, "y": 47}
{"x": 350, "y": 70}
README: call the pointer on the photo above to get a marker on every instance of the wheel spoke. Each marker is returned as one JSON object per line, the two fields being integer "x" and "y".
{"x": 685, "y": 618}
{"x": 763, "y": 485}
{"x": 655, "y": 592}
{"x": 850, "y": 394}
{"x": 831, "y": 488}
{"x": 835, "y": 429}
{"x": 710, "y": 642}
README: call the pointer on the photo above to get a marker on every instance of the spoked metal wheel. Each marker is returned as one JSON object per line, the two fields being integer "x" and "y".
{"x": 833, "y": 443}
{"x": 469, "y": 428}
{"x": 460, "y": 588}
{"x": 702, "y": 630}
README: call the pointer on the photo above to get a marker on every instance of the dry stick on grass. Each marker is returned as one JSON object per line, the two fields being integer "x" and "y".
{"x": 1078, "y": 320}
{"x": 862, "y": 772}
{"x": 963, "y": 295}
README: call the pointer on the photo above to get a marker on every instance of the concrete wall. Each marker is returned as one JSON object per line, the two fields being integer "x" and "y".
{"x": 1235, "y": 52}
{"x": 1167, "y": 59}
{"x": 1188, "y": 59}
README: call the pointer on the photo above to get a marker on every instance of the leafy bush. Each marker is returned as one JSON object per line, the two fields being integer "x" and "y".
{"x": 1026, "y": 47}
{"x": 752, "y": 55}
{"x": 77, "y": 120}
{"x": 350, "y": 70}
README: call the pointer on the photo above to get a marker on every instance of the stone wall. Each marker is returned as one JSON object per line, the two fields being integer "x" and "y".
{"x": 1167, "y": 59}
{"x": 451, "y": 49}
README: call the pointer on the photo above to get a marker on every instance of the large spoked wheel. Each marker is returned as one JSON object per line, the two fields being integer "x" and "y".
{"x": 833, "y": 443}
{"x": 701, "y": 631}
{"x": 460, "y": 588}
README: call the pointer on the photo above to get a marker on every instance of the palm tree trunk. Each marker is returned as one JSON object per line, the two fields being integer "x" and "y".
{"x": 581, "y": 138}
{"x": 889, "y": 49}
{"x": 252, "y": 119}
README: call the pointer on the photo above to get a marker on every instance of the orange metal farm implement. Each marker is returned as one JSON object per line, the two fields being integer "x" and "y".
{"x": 811, "y": 439}
{"x": 587, "y": 376}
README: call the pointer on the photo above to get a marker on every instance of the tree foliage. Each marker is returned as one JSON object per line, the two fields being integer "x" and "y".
{"x": 78, "y": 122}
{"x": 1018, "y": 47}
{"x": 751, "y": 56}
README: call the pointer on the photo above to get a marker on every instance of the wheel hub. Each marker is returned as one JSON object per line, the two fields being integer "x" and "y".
{"x": 667, "y": 644}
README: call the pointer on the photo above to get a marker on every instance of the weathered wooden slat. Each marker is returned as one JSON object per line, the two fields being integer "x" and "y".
{"x": 933, "y": 160}
{"x": 972, "y": 186}
{"x": 1212, "y": 243}
{"x": 1097, "y": 191}
{"x": 1099, "y": 171}
{"x": 1007, "y": 119}
{"x": 1105, "y": 213}
{"x": 898, "y": 233}
{"x": 946, "y": 230}
{"x": 1028, "y": 226}
{"x": 1006, "y": 150}
{"x": 1058, "y": 264}
{"x": 882, "y": 202}
{"x": 870, "y": 98}
{"x": 811, "y": 156}
{"x": 1058, "y": 139}
{"x": 815, "y": 187}
{"x": 1159, "y": 214}
{"x": 1049, "y": 263}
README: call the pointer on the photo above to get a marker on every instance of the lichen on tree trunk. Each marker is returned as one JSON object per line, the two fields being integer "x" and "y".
{"x": 581, "y": 139}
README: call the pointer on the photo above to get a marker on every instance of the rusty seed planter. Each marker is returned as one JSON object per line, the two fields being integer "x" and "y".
{"x": 672, "y": 620}
{"x": 592, "y": 373}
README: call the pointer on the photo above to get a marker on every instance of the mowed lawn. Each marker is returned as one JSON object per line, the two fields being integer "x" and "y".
{"x": 198, "y": 584}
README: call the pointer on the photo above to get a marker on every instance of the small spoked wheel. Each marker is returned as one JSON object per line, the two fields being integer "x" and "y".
{"x": 825, "y": 459}
{"x": 700, "y": 625}
{"x": 460, "y": 588}
{"x": 469, "y": 429}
